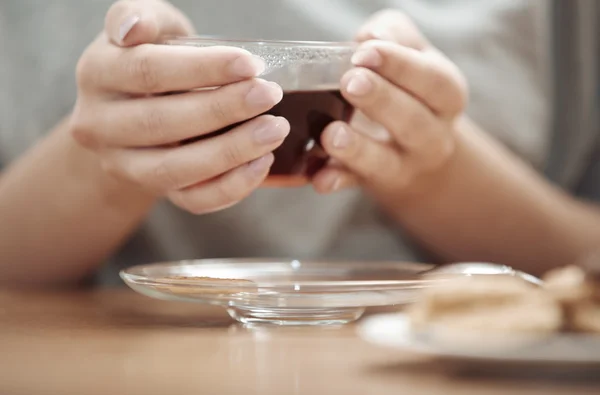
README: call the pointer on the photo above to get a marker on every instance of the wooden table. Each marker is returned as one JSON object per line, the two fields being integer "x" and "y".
{"x": 113, "y": 342}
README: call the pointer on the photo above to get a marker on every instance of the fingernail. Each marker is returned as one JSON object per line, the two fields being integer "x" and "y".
{"x": 260, "y": 165}
{"x": 127, "y": 26}
{"x": 367, "y": 57}
{"x": 272, "y": 131}
{"x": 341, "y": 138}
{"x": 264, "y": 94}
{"x": 382, "y": 35}
{"x": 336, "y": 184}
{"x": 359, "y": 85}
{"x": 248, "y": 66}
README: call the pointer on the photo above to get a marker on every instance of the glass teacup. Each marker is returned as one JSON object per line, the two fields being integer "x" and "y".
{"x": 309, "y": 74}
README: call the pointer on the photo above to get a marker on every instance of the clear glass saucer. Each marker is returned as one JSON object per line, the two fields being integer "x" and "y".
{"x": 282, "y": 292}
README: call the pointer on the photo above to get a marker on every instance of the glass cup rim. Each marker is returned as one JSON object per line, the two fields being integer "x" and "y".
{"x": 227, "y": 41}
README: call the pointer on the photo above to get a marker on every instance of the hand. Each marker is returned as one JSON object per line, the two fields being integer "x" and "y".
{"x": 405, "y": 85}
{"x": 124, "y": 114}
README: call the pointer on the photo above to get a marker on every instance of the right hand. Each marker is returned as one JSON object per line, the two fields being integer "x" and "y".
{"x": 123, "y": 114}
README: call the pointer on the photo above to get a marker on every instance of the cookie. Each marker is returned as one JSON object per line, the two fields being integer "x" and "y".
{"x": 534, "y": 314}
{"x": 585, "y": 317}
{"x": 569, "y": 284}
{"x": 467, "y": 295}
{"x": 577, "y": 289}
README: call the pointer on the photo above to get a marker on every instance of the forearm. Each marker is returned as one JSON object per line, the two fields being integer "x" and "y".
{"x": 60, "y": 214}
{"x": 488, "y": 205}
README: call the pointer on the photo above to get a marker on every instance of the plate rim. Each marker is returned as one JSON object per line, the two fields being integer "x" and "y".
{"x": 365, "y": 330}
{"x": 132, "y": 274}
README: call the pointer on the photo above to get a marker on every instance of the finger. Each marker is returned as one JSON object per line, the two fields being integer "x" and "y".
{"x": 162, "y": 170}
{"x": 333, "y": 179}
{"x": 392, "y": 25}
{"x": 374, "y": 163}
{"x": 149, "y": 68}
{"x": 155, "y": 121}
{"x": 130, "y": 23}
{"x": 361, "y": 123}
{"x": 224, "y": 191}
{"x": 427, "y": 75}
{"x": 410, "y": 123}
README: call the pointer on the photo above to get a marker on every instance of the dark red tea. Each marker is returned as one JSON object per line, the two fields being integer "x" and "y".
{"x": 309, "y": 112}
{"x": 301, "y": 156}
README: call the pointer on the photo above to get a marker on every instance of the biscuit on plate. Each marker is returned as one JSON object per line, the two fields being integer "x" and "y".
{"x": 585, "y": 317}
{"x": 577, "y": 288}
{"x": 487, "y": 304}
{"x": 569, "y": 284}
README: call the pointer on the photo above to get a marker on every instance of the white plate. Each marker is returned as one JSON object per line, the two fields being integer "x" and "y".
{"x": 394, "y": 331}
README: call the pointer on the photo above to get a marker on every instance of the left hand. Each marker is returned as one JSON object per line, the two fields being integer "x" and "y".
{"x": 408, "y": 87}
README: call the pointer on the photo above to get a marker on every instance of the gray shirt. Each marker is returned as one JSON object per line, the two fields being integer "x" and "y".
{"x": 501, "y": 45}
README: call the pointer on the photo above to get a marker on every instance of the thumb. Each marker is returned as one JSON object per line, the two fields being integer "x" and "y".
{"x": 130, "y": 23}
